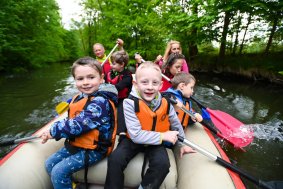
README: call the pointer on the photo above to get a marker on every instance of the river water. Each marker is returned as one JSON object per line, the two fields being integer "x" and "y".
{"x": 29, "y": 101}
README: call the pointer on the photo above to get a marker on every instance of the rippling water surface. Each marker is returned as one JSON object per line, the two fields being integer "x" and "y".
{"x": 28, "y": 102}
{"x": 257, "y": 105}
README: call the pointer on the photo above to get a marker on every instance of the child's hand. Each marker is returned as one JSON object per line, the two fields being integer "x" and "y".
{"x": 158, "y": 58}
{"x": 170, "y": 136}
{"x": 198, "y": 117}
{"x": 138, "y": 58}
{"x": 120, "y": 42}
{"x": 186, "y": 150}
{"x": 45, "y": 136}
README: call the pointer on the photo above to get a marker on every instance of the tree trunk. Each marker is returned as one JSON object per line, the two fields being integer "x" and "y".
{"x": 275, "y": 22}
{"x": 224, "y": 34}
{"x": 237, "y": 35}
{"x": 246, "y": 29}
{"x": 193, "y": 48}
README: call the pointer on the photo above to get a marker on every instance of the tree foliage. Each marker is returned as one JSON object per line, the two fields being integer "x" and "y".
{"x": 31, "y": 34}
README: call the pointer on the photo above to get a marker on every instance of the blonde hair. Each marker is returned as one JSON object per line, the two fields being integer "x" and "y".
{"x": 168, "y": 49}
{"x": 89, "y": 61}
{"x": 182, "y": 77}
{"x": 148, "y": 64}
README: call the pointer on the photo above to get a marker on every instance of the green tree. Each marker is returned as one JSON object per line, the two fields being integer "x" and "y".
{"x": 30, "y": 34}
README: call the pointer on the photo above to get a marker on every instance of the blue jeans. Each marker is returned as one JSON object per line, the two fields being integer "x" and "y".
{"x": 61, "y": 165}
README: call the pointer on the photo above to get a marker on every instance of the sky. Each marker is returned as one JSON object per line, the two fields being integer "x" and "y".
{"x": 69, "y": 9}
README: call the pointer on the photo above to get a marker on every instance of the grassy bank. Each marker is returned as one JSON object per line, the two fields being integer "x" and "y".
{"x": 251, "y": 66}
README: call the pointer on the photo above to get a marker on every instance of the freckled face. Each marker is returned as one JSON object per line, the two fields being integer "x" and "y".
{"x": 176, "y": 67}
{"x": 87, "y": 79}
{"x": 148, "y": 83}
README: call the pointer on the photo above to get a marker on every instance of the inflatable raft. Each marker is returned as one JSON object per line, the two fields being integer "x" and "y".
{"x": 24, "y": 166}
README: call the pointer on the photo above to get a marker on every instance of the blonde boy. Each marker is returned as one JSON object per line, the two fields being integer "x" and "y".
{"x": 150, "y": 120}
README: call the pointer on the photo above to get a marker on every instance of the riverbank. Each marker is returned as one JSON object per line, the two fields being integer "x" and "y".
{"x": 253, "y": 67}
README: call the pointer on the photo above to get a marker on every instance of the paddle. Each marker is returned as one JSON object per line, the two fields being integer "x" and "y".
{"x": 183, "y": 108}
{"x": 231, "y": 129}
{"x": 109, "y": 55}
{"x": 211, "y": 127}
{"x": 60, "y": 109}
{"x": 222, "y": 162}
{"x": 17, "y": 141}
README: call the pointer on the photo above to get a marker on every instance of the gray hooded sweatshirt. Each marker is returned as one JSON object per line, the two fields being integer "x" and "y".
{"x": 133, "y": 125}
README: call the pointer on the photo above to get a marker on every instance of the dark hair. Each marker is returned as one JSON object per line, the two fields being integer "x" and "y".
{"x": 120, "y": 57}
{"x": 86, "y": 61}
{"x": 171, "y": 60}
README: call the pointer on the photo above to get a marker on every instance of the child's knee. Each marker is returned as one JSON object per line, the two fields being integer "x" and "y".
{"x": 48, "y": 166}
{"x": 117, "y": 160}
{"x": 163, "y": 164}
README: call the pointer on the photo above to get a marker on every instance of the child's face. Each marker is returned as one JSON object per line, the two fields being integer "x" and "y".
{"x": 117, "y": 67}
{"x": 187, "y": 90}
{"x": 148, "y": 83}
{"x": 176, "y": 67}
{"x": 175, "y": 48}
{"x": 98, "y": 51}
{"x": 87, "y": 79}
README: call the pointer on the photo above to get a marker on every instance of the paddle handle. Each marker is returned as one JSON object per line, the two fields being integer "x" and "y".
{"x": 224, "y": 163}
{"x": 25, "y": 139}
{"x": 166, "y": 78}
{"x": 109, "y": 55}
{"x": 17, "y": 141}
{"x": 173, "y": 101}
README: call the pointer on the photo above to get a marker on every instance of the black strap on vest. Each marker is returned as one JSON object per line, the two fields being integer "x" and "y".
{"x": 73, "y": 149}
{"x": 137, "y": 109}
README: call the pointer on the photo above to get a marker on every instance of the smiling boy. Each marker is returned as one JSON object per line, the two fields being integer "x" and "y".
{"x": 150, "y": 121}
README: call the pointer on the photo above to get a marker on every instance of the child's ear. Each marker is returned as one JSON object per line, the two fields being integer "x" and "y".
{"x": 181, "y": 86}
{"x": 134, "y": 83}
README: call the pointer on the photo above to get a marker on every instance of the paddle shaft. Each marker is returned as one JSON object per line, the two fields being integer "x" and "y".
{"x": 198, "y": 102}
{"x": 16, "y": 141}
{"x": 224, "y": 163}
{"x": 109, "y": 55}
{"x": 173, "y": 101}
{"x": 165, "y": 77}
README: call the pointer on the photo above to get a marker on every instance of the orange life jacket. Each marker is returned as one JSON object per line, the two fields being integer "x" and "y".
{"x": 91, "y": 139}
{"x": 153, "y": 120}
{"x": 183, "y": 117}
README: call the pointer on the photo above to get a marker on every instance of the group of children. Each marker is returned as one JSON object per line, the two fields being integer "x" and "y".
{"x": 146, "y": 119}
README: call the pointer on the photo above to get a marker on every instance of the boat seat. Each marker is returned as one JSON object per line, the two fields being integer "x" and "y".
{"x": 97, "y": 173}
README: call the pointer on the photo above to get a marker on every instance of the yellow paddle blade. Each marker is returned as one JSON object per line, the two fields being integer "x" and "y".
{"x": 62, "y": 107}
